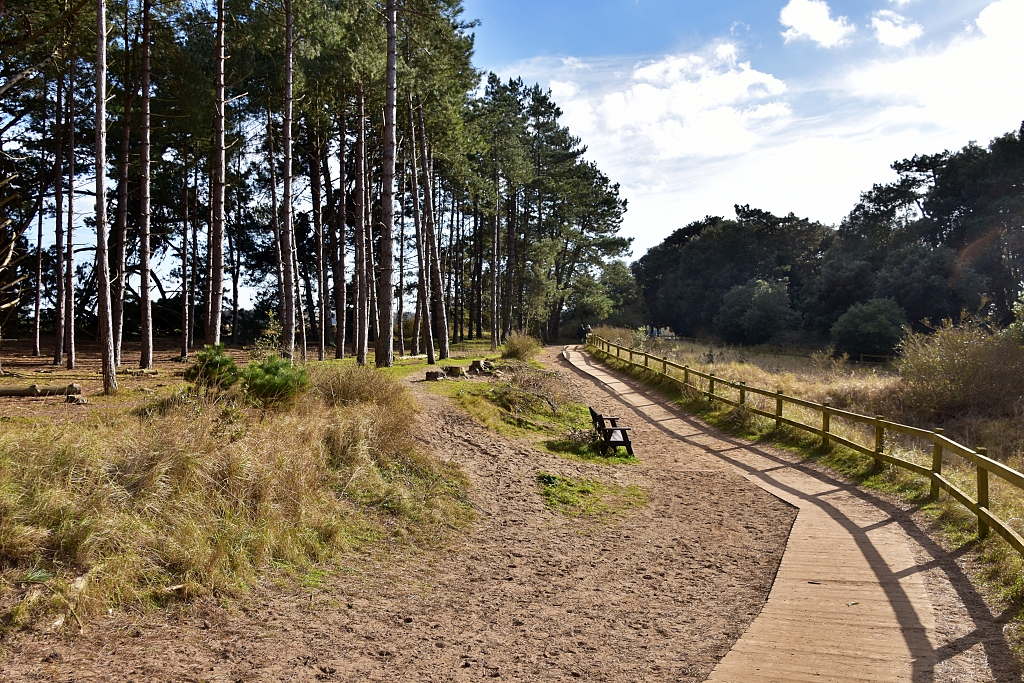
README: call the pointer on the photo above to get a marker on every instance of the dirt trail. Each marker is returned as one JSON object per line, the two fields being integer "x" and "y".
{"x": 659, "y": 594}
{"x": 863, "y": 592}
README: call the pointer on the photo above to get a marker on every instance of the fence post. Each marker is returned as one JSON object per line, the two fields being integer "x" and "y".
{"x": 646, "y": 358}
{"x": 982, "y": 494}
{"x": 686, "y": 374}
{"x": 825, "y": 419}
{"x": 936, "y": 462}
{"x": 778, "y": 409}
{"x": 879, "y": 441}
{"x": 664, "y": 365}
{"x": 617, "y": 347}
{"x": 711, "y": 388}
{"x": 743, "y": 393}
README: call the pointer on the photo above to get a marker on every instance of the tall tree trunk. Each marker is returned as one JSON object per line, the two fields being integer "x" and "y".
{"x": 385, "y": 350}
{"x": 194, "y": 281}
{"x": 338, "y": 247}
{"x": 275, "y": 223}
{"x": 69, "y": 259}
{"x": 185, "y": 317}
{"x": 58, "y": 203}
{"x": 287, "y": 247}
{"x": 362, "y": 292}
{"x": 495, "y": 263}
{"x": 431, "y": 239}
{"x": 318, "y": 234}
{"x": 422, "y": 252}
{"x": 102, "y": 264}
{"x": 510, "y": 259}
{"x": 39, "y": 241}
{"x": 235, "y": 271}
{"x": 213, "y": 324}
{"x": 146, "y": 359}
{"x": 297, "y": 300}
{"x": 121, "y": 223}
{"x": 401, "y": 264}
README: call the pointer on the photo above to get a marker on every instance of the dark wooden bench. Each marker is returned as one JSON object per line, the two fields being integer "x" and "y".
{"x": 612, "y": 435}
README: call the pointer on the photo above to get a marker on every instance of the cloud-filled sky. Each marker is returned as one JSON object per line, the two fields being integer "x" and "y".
{"x": 787, "y": 105}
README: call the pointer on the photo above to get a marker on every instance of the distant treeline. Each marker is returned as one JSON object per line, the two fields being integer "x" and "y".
{"x": 946, "y": 237}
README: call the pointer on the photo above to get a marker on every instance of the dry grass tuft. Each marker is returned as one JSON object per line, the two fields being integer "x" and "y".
{"x": 192, "y": 495}
{"x": 520, "y": 346}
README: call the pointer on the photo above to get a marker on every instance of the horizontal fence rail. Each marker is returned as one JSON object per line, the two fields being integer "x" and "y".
{"x": 941, "y": 445}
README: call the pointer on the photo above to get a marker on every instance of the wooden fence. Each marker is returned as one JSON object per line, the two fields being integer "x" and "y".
{"x": 941, "y": 445}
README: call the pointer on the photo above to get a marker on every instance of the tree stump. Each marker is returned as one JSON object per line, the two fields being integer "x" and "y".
{"x": 454, "y": 371}
{"x": 476, "y": 367}
{"x": 435, "y": 375}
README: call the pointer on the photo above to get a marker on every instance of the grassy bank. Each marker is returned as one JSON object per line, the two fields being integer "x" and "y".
{"x": 193, "y": 492}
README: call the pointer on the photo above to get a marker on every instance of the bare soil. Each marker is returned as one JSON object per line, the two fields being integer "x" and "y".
{"x": 654, "y": 593}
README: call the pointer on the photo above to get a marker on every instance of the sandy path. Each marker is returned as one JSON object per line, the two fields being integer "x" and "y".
{"x": 659, "y": 594}
{"x": 859, "y": 587}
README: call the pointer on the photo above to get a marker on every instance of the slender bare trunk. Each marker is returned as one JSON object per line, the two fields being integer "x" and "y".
{"x": 69, "y": 259}
{"x": 385, "y": 349}
{"x": 58, "y": 203}
{"x": 338, "y": 249}
{"x": 102, "y": 264}
{"x": 422, "y": 252}
{"x": 297, "y": 299}
{"x": 401, "y": 264}
{"x": 430, "y": 237}
{"x": 121, "y": 223}
{"x": 213, "y": 323}
{"x": 194, "y": 281}
{"x": 39, "y": 242}
{"x": 289, "y": 234}
{"x": 362, "y": 293}
{"x": 275, "y": 222}
{"x": 146, "y": 359}
{"x": 185, "y": 317}
{"x": 318, "y": 234}
{"x": 495, "y": 262}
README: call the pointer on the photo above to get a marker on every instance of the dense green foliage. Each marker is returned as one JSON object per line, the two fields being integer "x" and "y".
{"x": 875, "y": 327}
{"x": 274, "y": 381}
{"x": 942, "y": 239}
{"x": 212, "y": 368}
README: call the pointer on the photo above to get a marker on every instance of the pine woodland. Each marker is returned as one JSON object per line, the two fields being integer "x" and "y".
{"x": 206, "y": 169}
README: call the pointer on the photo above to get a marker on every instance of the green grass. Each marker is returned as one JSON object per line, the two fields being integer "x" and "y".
{"x": 588, "y": 497}
{"x": 566, "y": 432}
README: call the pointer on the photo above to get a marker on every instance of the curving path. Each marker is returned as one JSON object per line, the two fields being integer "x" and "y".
{"x": 849, "y": 602}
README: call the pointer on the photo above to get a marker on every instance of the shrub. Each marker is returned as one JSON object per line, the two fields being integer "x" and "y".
{"x": 873, "y": 328}
{"x": 755, "y": 312}
{"x": 340, "y": 385}
{"x": 520, "y": 346}
{"x": 965, "y": 368}
{"x": 213, "y": 368}
{"x": 274, "y": 381}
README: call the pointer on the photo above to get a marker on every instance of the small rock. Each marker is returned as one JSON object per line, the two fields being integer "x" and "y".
{"x": 53, "y": 657}
{"x": 206, "y": 625}
{"x": 77, "y": 400}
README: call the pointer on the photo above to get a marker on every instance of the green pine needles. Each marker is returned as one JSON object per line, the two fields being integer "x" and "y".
{"x": 272, "y": 381}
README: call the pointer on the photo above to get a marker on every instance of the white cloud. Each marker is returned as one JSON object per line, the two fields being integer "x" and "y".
{"x": 693, "y": 134}
{"x": 901, "y": 3}
{"x": 894, "y": 29}
{"x": 812, "y": 19}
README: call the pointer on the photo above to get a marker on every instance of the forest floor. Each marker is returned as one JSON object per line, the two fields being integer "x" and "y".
{"x": 659, "y": 591}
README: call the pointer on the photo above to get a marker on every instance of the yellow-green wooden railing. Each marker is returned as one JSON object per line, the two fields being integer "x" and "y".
{"x": 940, "y": 443}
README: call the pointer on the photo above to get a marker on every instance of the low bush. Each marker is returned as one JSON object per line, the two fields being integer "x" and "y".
{"x": 212, "y": 368}
{"x": 340, "y": 385}
{"x": 963, "y": 368}
{"x": 274, "y": 381}
{"x": 875, "y": 328}
{"x": 520, "y": 346}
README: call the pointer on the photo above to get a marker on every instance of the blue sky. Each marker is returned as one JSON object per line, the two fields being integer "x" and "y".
{"x": 788, "y": 105}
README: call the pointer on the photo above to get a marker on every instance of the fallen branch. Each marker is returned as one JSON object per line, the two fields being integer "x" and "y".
{"x": 36, "y": 390}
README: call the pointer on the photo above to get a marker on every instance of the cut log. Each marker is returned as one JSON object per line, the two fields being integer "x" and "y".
{"x": 454, "y": 371}
{"x": 36, "y": 390}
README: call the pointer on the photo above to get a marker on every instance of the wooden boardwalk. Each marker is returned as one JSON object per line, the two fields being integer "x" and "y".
{"x": 848, "y": 603}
